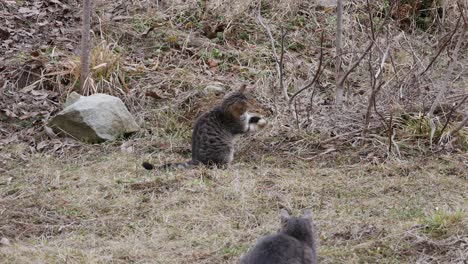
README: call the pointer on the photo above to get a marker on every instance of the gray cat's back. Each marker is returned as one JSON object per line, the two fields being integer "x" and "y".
{"x": 293, "y": 244}
{"x": 278, "y": 249}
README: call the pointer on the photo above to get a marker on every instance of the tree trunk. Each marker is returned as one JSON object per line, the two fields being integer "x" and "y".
{"x": 85, "y": 44}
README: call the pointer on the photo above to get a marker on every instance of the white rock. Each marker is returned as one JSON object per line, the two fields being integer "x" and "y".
{"x": 94, "y": 118}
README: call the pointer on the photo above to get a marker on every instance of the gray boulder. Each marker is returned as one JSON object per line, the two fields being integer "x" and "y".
{"x": 94, "y": 118}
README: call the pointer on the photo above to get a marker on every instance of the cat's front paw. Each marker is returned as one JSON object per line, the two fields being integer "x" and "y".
{"x": 256, "y": 122}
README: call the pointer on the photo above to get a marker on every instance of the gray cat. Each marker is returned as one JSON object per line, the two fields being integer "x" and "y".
{"x": 214, "y": 131}
{"x": 293, "y": 244}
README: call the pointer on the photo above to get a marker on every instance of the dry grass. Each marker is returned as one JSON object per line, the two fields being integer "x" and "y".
{"x": 101, "y": 206}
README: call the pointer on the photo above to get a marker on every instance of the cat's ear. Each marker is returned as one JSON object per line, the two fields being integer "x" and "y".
{"x": 307, "y": 214}
{"x": 284, "y": 215}
{"x": 246, "y": 90}
{"x": 242, "y": 88}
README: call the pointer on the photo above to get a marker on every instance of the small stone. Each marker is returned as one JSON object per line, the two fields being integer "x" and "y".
{"x": 214, "y": 88}
{"x": 4, "y": 241}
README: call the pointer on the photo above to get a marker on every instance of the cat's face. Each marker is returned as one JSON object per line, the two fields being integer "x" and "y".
{"x": 236, "y": 103}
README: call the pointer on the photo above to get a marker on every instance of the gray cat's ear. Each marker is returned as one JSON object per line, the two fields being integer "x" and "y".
{"x": 284, "y": 215}
{"x": 307, "y": 214}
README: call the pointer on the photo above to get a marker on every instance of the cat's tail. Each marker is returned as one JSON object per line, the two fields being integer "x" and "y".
{"x": 168, "y": 166}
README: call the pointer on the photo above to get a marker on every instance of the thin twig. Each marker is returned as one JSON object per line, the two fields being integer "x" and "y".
{"x": 297, "y": 115}
{"x": 452, "y": 110}
{"x": 374, "y": 78}
{"x": 275, "y": 56}
{"x": 460, "y": 126}
{"x": 382, "y": 62}
{"x": 390, "y": 132}
{"x": 281, "y": 65}
{"x": 356, "y": 63}
{"x": 444, "y": 45}
{"x": 317, "y": 72}
{"x": 370, "y": 20}
{"x": 448, "y": 74}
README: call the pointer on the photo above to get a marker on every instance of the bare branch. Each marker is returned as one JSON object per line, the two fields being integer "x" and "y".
{"x": 390, "y": 132}
{"x": 278, "y": 66}
{"x": 281, "y": 65}
{"x": 460, "y": 126}
{"x": 355, "y": 64}
{"x": 452, "y": 110}
{"x": 371, "y": 20}
{"x": 382, "y": 62}
{"x": 317, "y": 73}
{"x": 444, "y": 45}
{"x": 448, "y": 74}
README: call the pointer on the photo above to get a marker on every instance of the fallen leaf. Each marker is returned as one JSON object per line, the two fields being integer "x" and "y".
{"x": 126, "y": 147}
{"x": 9, "y": 113}
{"x": 41, "y": 145}
{"x": 102, "y": 65}
{"x": 28, "y": 11}
{"x": 40, "y": 94}
{"x": 4, "y": 34}
{"x": 212, "y": 63}
{"x": 8, "y": 140}
{"x": 29, "y": 115}
{"x": 49, "y": 132}
{"x": 154, "y": 95}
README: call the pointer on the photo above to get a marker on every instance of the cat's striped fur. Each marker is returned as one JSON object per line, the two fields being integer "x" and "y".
{"x": 214, "y": 132}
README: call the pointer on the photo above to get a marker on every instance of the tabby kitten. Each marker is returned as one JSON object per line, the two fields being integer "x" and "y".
{"x": 293, "y": 244}
{"x": 214, "y": 131}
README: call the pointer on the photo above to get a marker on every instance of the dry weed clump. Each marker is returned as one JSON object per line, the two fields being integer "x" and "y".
{"x": 106, "y": 71}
